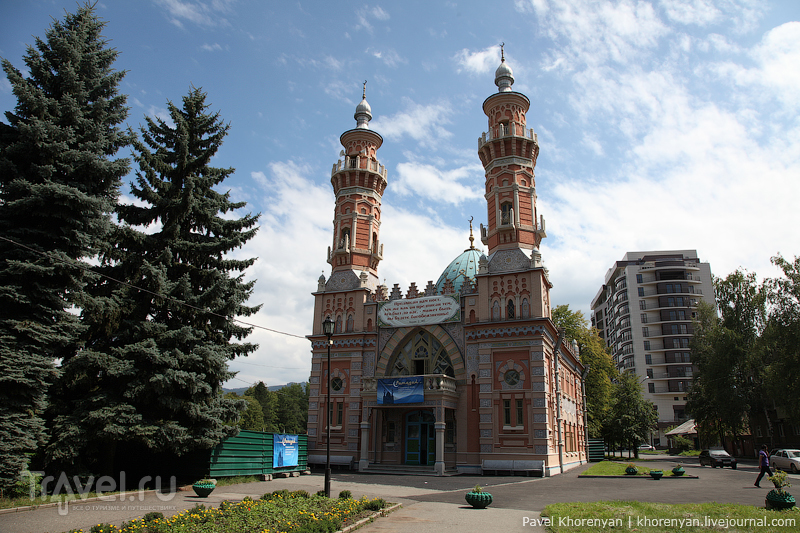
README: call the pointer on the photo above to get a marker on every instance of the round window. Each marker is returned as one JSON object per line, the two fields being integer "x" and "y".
{"x": 337, "y": 384}
{"x": 511, "y": 377}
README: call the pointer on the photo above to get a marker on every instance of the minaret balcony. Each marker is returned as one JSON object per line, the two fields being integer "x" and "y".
{"x": 511, "y": 130}
{"x": 358, "y": 163}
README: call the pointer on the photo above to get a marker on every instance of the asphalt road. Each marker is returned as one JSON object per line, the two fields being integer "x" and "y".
{"x": 433, "y": 504}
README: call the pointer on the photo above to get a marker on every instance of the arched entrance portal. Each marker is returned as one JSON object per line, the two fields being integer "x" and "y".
{"x": 420, "y": 438}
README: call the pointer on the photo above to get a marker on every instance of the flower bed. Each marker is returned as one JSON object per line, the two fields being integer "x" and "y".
{"x": 280, "y": 511}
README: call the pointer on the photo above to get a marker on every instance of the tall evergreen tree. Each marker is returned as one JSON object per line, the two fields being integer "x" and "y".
{"x": 59, "y": 183}
{"x": 152, "y": 371}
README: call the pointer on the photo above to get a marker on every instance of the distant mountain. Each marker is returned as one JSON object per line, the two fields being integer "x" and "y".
{"x": 240, "y": 391}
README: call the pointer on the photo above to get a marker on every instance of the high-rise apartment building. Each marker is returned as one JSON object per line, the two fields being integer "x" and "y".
{"x": 644, "y": 312}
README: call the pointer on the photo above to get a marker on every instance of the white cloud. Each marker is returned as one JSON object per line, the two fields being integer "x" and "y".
{"x": 418, "y": 246}
{"x": 365, "y": 13}
{"x": 596, "y": 33}
{"x": 779, "y": 55}
{"x": 593, "y": 144}
{"x": 211, "y": 47}
{"x": 480, "y": 62}
{"x": 389, "y": 57}
{"x": 296, "y": 210}
{"x": 423, "y": 123}
{"x": 438, "y": 185}
{"x": 199, "y": 13}
{"x": 699, "y": 12}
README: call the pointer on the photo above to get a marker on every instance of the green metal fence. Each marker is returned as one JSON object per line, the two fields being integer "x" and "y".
{"x": 597, "y": 450}
{"x": 250, "y": 454}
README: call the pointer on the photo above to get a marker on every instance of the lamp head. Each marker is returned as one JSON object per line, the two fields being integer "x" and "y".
{"x": 327, "y": 327}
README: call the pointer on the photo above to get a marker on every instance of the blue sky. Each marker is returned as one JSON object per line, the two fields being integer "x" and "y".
{"x": 663, "y": 124}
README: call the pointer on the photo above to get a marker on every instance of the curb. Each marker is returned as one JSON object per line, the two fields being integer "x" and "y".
{"x": 370, "y": 518}
{"x": 643, "y": 477}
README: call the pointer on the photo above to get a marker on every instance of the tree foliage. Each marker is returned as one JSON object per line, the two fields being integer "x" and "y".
{"x": 720, "y": 396}
{"x": 747, "y": 354}
{"x": 292, "y": 412}
{"x": 58, "y": 186}
{"x": 252, "y": 418}
{"x": 781, "y": 339}
{"x": 595, "y": 357}
{"x": 155, "y": 359}
{"x": 268, "y": 401}
{"x": 632, "y": 417}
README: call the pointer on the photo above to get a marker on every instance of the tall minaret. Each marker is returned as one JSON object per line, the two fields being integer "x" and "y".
{"x": 508, "y": 152}
{"x": 358, "y": 181}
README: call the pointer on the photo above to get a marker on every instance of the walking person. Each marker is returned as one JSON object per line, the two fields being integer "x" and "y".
{"x": 763, "y": 462}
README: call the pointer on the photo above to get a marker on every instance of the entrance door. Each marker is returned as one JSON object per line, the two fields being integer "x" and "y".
{"x": 420, "y": 438}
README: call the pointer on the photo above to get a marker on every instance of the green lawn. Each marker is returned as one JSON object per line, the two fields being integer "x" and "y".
{"x": 614, "y": 468}
{"x": 647, "y": 517}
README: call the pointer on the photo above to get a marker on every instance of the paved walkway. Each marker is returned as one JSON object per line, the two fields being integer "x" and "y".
{"x": 430, "y": 504}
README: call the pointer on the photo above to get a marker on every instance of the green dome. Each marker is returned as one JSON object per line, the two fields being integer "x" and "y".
{"x": 464, "y": 267}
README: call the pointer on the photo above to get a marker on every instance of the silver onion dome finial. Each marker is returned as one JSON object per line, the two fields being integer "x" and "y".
{"x": 363, "y": 111}
{"x": 503, "y": 76}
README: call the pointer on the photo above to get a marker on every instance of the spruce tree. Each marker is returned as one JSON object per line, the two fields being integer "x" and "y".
{"x": 152, "y": 372}
{"x": 59, "y": 183}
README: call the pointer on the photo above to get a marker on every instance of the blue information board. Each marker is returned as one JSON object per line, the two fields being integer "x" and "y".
{"x": 400, "y": 390}
{"x": 285, "y": 450}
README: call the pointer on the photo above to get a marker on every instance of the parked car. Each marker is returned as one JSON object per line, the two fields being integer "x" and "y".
{"x": 717, "y": 457}
{"x": 646, "y": 448}
{"x": 786, "y": 459}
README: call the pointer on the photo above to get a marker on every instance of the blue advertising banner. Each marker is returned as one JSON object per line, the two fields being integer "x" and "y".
{"x": 400, "y": 390}
{"x": 284, "y": 450}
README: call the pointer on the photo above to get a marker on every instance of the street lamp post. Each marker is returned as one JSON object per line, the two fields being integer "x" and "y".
{"x": 327, "y": 328}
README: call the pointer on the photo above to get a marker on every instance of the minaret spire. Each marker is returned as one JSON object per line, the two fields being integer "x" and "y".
{"x": 471, "y": 238}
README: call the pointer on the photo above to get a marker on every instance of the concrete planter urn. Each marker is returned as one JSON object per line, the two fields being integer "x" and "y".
{"x": 678, "y": 471}
{"x": 656, "y": 474}
{"x": 631, "y": 470}
{"x": 779, "y": 499}
{"x": 203, "y": 488}
{"x": 477, "y": 498}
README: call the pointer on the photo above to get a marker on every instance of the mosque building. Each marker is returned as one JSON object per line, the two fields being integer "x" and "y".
{"x": 465, "y": 375}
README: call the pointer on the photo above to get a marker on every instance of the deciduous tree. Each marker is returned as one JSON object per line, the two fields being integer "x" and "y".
{"x": 595, "y": 356}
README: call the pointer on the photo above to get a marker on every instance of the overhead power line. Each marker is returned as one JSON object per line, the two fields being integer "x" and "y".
{"x": 86, "y": 268}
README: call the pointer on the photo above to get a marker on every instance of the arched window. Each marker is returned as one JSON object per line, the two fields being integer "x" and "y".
{"x": 510, "y": 309}
{"x": 472, "y": 318}
{"x": 496, "y": 310}
{"x": 507, "y": 214}
{"x": 420, "y": 353}
{"x": 344, "y": 238}
{"x": 350, "y": 323}
{"x": 526, "y": 308}
{"x": 369, "y": 324}
{"x": 339, "y": 324}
